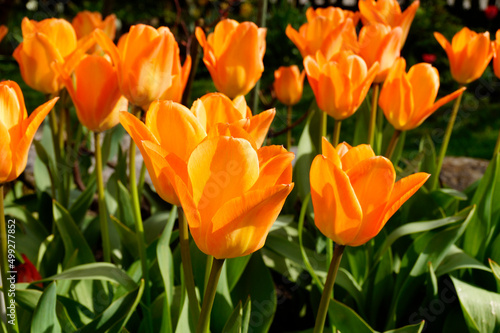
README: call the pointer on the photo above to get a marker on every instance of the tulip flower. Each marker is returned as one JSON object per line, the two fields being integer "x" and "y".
{"x": 354, "y": 194}
{"x": 27, "y": 272}
{"x": 325, "y": 35}
{"x": 288, "y": 84}
{"x": 339, "y": 86}
{"x": 380, "y": 43}
{"x": 3, "y": 31}
{"x": 17, "y": 129}
{"x": 469, "y": 53}
{"x": 233, "y": 55}
{"x": 496, "y": 59}
{"x": 148, "y": 64}
{"x": 43, "y": 43}
{"x": 86, "y": 22}
{"x": 407, "y": 99}
{"x": 95, "y": 93}
{"x": 388, "y": 12}
{"x": 335, "y": 14}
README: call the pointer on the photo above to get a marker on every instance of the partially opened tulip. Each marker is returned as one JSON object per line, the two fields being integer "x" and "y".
{"x": 469, "y": 53}
{"x": 335, "y": 14}
{"x": 496, "y": 59}
{"x": 233, "y": 55}
{"x": 354, "y": 194}
{"x": 86, "y": 22}
{"x": 380, "y": 43}
{"x": 339, "y": 85}
{"x": 3, "y": 31}
{"x": 43, "y": 43}
{"x": 388, "y": 12}
{"x": 407, "y": 99}
{"x": 288, "y": 84}
{"x": 17, "y": 129}
{"x": 148, "y": 64}
{"x": 325, "y": 35}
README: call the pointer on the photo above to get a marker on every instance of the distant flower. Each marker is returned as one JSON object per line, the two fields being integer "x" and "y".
{"x": 27, "y": 272}
{"x": 429, "y": 57}
{"x": 491, "y": 12}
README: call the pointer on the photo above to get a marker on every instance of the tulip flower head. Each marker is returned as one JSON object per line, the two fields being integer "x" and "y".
{"x": 354, "y": 193}
{"x": 148, "y": 64}
{"x": 86, "y": 22}
{"x": 339, "y": 85}
{"x": 233, "y": 55}
{"x": 17, "y": 129}
{"x": 288, "y": 84}
{"x": 469, "y": 53}
{"x": 3, "y": 31}
{"x": 409, "y": 98}
{"x": 388, "y": 12}
{"x": 43, "y": 43}
{"x": 380, "y": 43}
{"x": 95, "y": 93}
{"x": 335, "y": 14}
{"x": 496, "y": 59}
{"x": 325, "y": 35}
{"x": 27, "y": 272}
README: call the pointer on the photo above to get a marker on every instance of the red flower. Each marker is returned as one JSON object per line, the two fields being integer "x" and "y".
{"x": 429, "y": 57}
{"x": 491, "y": 12}
{"x": 27, "y": 272}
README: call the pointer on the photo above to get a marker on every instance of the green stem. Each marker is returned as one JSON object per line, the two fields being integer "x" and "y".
{"x": 261, "y": 22}
{"x": 392, "y": 144}
{"x": 139, "y": 231}
{"x": 208, "y": 268}
{"x": 194, "y": 305}
{"x": 373, "y": 114}
{"x": 103, "y": 219}
{"x": 336, "y": 132}
{"x": 497, "y": 145}
{"x": 208, "y": 298}
{"x": 446, "y": 140}
{"x": 4, "y": 266}
{"x": 288, "y": 125}
{"x": 327, "y": 292}
{"x": 322, "y": 125}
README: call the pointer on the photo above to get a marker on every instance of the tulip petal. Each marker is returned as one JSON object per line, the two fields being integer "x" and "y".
{"x": 240, "y": 227}
{"x": 108, "y": 46}
{"x": 12, "y": 109}
{"x": 275, "y": 167}
{"x": 330, "y": 152}
{"x": 337, "y": 212}
{"x": 297, "y": 39}
{"x": 355, "y": 155}
{"x": 232, "y": 130}
{"x": 231, "y": 168}
{"x": 5, "y": 154}
{"x": 258, "y": 126}
{"x": 136, "y": 128}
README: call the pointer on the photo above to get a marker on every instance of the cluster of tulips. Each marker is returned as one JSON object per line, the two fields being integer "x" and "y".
{"x": 210, "y": 159}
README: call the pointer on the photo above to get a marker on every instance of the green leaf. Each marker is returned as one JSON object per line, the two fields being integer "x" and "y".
{"x": 281, "y": 222}
{"x": 96, "y": 271}
{"x": 306, "y": 151}
{"x": 235, "y": 268}
{"x": 362, "y": 121}
{"x": 495, "y": 269}
{"x": 247, "y": 310}
{"x": 223, "y": 305}
{"x": 72, "y": 237}
{"x": 114, "y": 318}
{"x": 44, "y": 317}
{"x": 346, "y": 319}
{"x": 81, "y": 205}
{"x": 456, "y": 259}
{"x": 233, "y": 324}
{"x": 154, "y": 226}
{"x": 427, "y": 151}
{"x": 416, "y": 328}
{"x": 481, "y": 308}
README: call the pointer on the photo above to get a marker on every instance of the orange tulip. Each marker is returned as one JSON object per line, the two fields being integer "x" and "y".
{"x": 469, "y": 53}
{"x": 95, "y": 93}
{"x": 354, "y": 194}
{"x": 496, "y": 59}
{"x": 3, "y": 31}
{"x": 86, "y": 22}
{"x": 408, "y": 99}
{"x": 148, "y": 64}
{"x": 231, "y": 193}
{"x": 340, "y": 86}
{"x": 214, "y": 108}
{"x": 335, "y": 14}
{"x": 17, "y": 129}
{"x": 233, "y": 55}
{"x": 389, "y": 13}
{"x": 288, "y": 84}
{"x": 43, "y": 43}
{"x": 325, "y": 35}
{"x": 379, "y": 43}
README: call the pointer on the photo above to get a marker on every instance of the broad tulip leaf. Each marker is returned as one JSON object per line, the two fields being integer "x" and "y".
{"x": 416, "y": 328}
{"x": 223, "y": 304}
{"x": 72, "y": 237}
{"x": 235, "y": 268}
{"x": 247, "y": 310}
{"x": 154, "y": 226}
{"x": 427, "y": 151}
{"x": 44, "y": 317}
{"x": 128, "y": 237}
{"x": 81, "y": 205}
{"x": 233, "y": 324}
{"x": 306, "y": 151}
{"x": 96, "y": 271}
{"x": 456, "y": 259}
{"x": 495, "y": 269}
{"x": 362, "y": 121}
{"x": 481, "y": 308}
{"x": 346, "y": 319}
{"x": 281, "y": 222}
{"x": 114, "y": 318}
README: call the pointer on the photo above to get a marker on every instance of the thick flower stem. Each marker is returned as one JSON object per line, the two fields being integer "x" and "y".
{"x": 392, "y": 144}
{"x": 208, "y": 299}
{"x": 327, "y": 292}
{"x": 194, "y": 305}
{"x": 373, "y": 114}
{"x": 497, "y": 145}
{"x": 336, "y": 132}
{"x": 139, "y": 232}
{"x": 323, "y": 125}
{"x": 103, "y": 220}
{"x": 4, "y": 265}
{"x": 288, "y": 125}
{"x": 444, "y": 145}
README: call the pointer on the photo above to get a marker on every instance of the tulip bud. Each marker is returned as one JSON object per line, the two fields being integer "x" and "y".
{"x": 288, "y": 84}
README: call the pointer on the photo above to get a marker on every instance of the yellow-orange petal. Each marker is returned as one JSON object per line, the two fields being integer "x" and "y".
{"x": 232, "y": 130}
{"x": 3, "y": 31}
{"x": 355, "y": 155}
{"x": 337, "y": 212}
{"x": 258, "y": 126}
{"x": 330, "y": 152}
{"x": 136, "y": 128}
{"x": 5, "y": 154}
{"x": 275, "y": 164}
